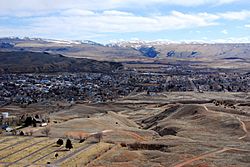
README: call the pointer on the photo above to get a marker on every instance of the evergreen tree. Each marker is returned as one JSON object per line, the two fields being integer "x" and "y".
{"x": 68, "y": 144}
{"x": 59, "y": 142}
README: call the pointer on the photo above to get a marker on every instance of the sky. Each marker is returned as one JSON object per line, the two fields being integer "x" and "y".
{"x": 124, "y": 20}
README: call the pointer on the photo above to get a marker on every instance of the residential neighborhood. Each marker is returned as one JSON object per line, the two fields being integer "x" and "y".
{"x": 26, "y": 89}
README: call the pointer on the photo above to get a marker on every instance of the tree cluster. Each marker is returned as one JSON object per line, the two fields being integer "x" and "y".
{"x": 68, "y": 144}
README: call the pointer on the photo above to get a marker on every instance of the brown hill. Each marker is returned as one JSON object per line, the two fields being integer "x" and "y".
{"x": 42, "y": 62}
{"x": 182, "y": 118}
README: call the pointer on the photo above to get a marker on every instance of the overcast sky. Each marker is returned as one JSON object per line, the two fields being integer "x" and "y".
{"x": 108, "y": 20}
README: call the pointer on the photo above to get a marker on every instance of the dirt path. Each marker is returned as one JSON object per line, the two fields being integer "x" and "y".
{"x": 209, "y": 154}
{"x": 134, "y": 135}
{"x": 206, "y": 108}
{"x": 244, "y": 128}
{"x": 243, "y": 125}
{"x": 201, "y": 157}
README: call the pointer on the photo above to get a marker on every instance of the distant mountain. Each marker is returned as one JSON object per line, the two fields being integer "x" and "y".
{"x": 42, "y": 40}
{"x": 43, "y": 62}
{"x": 79, "y": 49}
{"x": 125, "y": 51}
{"x": 166, "y": 50}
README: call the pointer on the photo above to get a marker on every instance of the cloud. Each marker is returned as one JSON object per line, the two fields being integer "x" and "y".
{"x": 32, "y": 7}
{"x": 202, "y": 40}
{"x": 78, "y": 23}
{"x": 232, "y": 40}
{"x": 115, "y": 21}
{"x": 224, "y": 32}
{"x": 247, "y": 25}
{"x": 219, "y": 2}
{"x": 77, "y": 12}
{"x": 175, "y": 2}
{"x": 83, "y": 19}
{"x": 239, "y": 15}
{"x": 117, "y": 13}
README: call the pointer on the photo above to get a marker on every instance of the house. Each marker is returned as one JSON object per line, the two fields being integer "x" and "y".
{"x": 8, "y": 129}
{"x": 5, "y": 115}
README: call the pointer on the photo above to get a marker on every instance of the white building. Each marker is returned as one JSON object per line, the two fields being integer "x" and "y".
{"x": 5, "y": 115}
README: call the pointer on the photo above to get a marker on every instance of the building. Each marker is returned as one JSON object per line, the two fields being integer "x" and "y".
{"x": 5, "y": 115}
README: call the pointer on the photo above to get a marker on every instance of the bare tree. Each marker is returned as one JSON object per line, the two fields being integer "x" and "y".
{"x": 46, "y": 131}
{"x": 81, "y": 137}
{"x": 14, "y": 132}
{"x": 98, "y": 136}
{"x": 31, "y": 132}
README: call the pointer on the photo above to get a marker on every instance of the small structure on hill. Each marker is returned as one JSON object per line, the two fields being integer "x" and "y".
{"x": 4, "y": 115}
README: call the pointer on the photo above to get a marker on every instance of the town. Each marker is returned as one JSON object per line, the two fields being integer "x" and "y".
{"x": 26, "y": 89}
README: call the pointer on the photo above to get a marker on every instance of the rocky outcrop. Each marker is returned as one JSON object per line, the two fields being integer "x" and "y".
{"x": 149, "y": 52}
{"x": 182, "y": 54}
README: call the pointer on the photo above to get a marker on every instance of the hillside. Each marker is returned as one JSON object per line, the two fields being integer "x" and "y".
{"x": 217, "y": 55}
{"x": 192, "y": 50}
{"x": 42, "y": 62}
{"x": 170, "y": 129}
